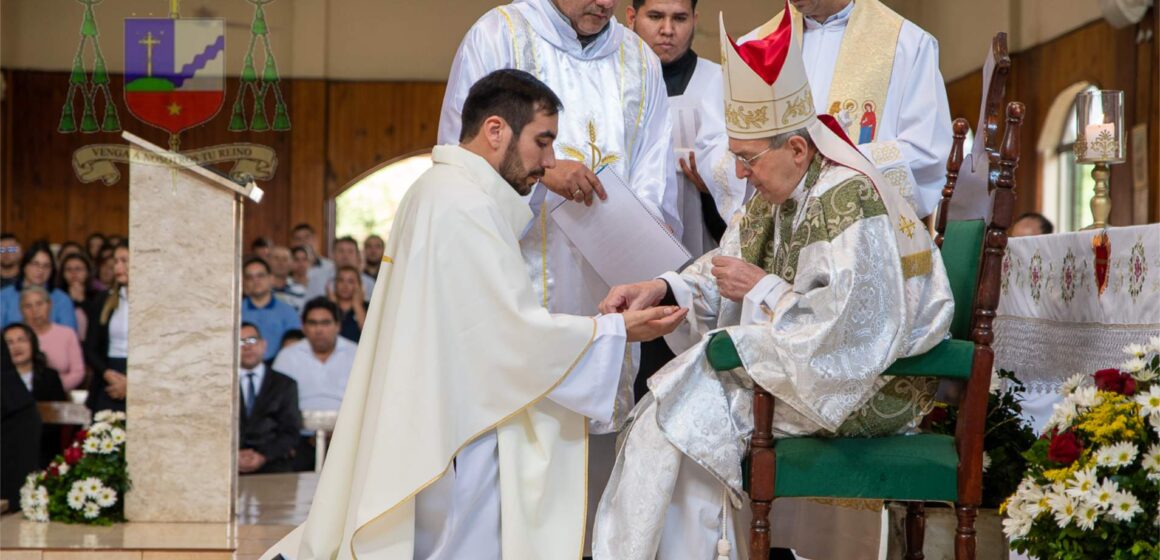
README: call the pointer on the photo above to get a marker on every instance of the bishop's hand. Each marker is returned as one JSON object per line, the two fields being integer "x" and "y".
{"x": 652, "y": 323}
{"x": 573, "y": 181}
{"x": 632, "y": 297}
{"x": 735, "y": 277}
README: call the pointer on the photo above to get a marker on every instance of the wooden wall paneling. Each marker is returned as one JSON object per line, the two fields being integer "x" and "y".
{"x": 371, "y": 123}
{"x": 1154, "y": 122}
{"x": 6, "y": 154}
{"x": 1095, "y": 53}
{"x": 307, "y": 165}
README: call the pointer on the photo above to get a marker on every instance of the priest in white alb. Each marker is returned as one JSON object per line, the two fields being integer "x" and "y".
{"x": 877, "y": 74}
{"x": 463, "y": 431}
{"x": 710, "y": 194}
{"x": 827, "y": 280}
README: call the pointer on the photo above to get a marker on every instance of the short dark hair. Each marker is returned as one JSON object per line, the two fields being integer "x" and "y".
{"x": 299, "y": 249}
{"x": 252, "y": 326}
{"x": 346, "y": 239}
{"x": 291, "y": 334}
{"x": 636, "y": 4}
{"x": 1045, "y": 225}
{"x": 5, "y": 236}
{"x": 302, "y": 226}
{"x": 320, "y": 302}
{"x": 261, "y": 241}
{"x": 258, "y": 260}
{"x": 512, "y": 95}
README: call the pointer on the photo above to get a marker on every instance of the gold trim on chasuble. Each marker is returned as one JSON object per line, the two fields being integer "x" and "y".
{"x": 591, "y": 339}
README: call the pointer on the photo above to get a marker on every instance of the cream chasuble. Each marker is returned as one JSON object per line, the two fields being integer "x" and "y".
{"x": 456, "y": 349}
{"x": 878, "y": 75}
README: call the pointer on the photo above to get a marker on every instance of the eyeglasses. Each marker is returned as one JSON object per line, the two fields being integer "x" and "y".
{"x": 747, "y": 163}
{"x": 249, "y": 341}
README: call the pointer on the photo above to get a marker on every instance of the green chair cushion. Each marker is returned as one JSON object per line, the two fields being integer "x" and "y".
{"x": 915, "y": 467}
{"x": 950, "y": 359}
{"x": 962, "y": 250}
{"x": 721, "y": 353}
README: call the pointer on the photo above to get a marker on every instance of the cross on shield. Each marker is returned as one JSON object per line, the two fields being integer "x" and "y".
{"x": 174, "y": 71}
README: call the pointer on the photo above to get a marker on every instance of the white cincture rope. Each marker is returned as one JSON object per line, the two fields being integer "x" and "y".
{"x": 723, "y": 546}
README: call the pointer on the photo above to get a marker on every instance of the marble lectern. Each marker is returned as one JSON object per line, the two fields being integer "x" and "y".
{"x": 185, "y": 227}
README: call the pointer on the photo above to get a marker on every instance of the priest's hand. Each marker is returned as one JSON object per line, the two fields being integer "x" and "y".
{"x": 250, "y": 460}
{"x": 574, "y": 181}
{"x": 691, "y": 173}
{"x": 652, "y": 323}
{"x": 735, "y": 277}
{"x": 631, "y": 297}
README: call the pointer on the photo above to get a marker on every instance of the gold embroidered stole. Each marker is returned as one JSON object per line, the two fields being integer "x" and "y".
{"x": 865, "y": 63}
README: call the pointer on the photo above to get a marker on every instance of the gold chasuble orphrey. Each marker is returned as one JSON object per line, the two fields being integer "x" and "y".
{"x": 454, "y": 345}
{"x": 865, "y": 64}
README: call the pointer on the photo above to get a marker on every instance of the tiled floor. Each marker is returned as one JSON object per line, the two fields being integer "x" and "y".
{"x": 269, "y": 506}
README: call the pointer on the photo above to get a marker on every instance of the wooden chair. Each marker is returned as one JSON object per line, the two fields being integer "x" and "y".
{"x": 984, "y": 172}
{"x": 915, "y": 468}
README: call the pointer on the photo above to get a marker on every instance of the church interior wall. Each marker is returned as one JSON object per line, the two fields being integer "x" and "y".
{"x": 1095, "y": 53}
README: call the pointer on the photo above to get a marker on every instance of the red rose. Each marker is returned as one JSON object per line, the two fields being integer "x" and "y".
{"x": 72, "y": 455}
{"x": 82, "y": 434}
{"x": 53, "y": 471}
{"x": 1065, "y": 448}
{"x": 1115, "y": 381}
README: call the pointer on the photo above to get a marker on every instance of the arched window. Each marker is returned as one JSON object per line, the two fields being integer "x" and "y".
{"x": 368, "y": 205}
{"x": 1067, "y": 186}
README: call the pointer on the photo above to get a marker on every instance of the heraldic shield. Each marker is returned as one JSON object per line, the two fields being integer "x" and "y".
{"x": 174, "y": 71}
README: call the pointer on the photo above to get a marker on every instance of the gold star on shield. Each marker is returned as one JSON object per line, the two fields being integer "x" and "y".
{"x": 174, "y": 108}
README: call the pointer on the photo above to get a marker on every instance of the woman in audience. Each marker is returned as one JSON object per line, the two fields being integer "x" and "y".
{"x": 95, "y": 243}
{"x": 59, "y": 343}
{"x": 37, "y": 268}
{"x": 40, "y": 380}
{"x": 68, "y": 248}
{"x": 348, "y": 294}
{"x": 107, "y": 344}
{"x": 104, "y": 279}
{"x": 76, "y": 280}
{"x": 20, "y": 431}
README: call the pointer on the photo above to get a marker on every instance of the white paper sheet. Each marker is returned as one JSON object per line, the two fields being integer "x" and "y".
{"x": 622, "y": 241}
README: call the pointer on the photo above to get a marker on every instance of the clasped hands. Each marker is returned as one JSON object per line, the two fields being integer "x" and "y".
{"x": 735, "y": 278}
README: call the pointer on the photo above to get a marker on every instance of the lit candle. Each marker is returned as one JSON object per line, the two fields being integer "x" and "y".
{"x": 1091, "y": 133}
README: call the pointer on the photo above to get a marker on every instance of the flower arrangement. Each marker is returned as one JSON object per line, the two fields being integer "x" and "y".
{"x": 1093, "y": 478}
{"x": 85, "y": 484}
{"x": 1006, "y": 434}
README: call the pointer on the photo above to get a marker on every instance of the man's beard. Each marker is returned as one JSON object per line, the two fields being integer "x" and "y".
{"x": 512, "y": 170}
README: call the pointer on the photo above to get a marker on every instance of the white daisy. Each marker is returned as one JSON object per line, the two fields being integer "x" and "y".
{"x": 1062, "y": 414}
{"x": 1085, "y": 517}
{"x": 1103, "y": 494}
{"x": 1149, "y": 402}
{"x": 1133, "y": 365}
{"x": 1086, "y": 397}
{"x": 92, "y": 444}
{"x": 1151, "y": 460}
{"x": 99, "y": 427}
{"x": 1073, "y": 383}
{"x": 1154, "y": 344}
{"x": 62, "y": 468}
{"x": 1125, "y": 506}
{"x": 103, "y": 416}
{"x": 1082, "y": 483}
{"x": 1117, "y": 455}
{"x": 986, "y": 461}
{"x": 118, "y": 435}
{"x": 92, "y": 510}
{"x": 92, "y": 486}
{"x": 1146, "y": 374}
{"x": 119, "y": 416}
{"x": 1135, "y": 350}
{"x": 1017, "y": 526}
{"x": 76, "y": 498}
{"x": 107, "y": 446}
{"x": 107, "y": 497}
{"x": 1064, "y": 509}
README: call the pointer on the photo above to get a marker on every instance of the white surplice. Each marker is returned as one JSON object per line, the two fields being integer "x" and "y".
{"x": 615, "y": 113}
{"x": 916, "y": 116}
{"x": 701, "y": 108}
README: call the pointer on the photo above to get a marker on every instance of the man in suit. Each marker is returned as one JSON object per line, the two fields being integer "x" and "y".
{"x": 270, "y": 418}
